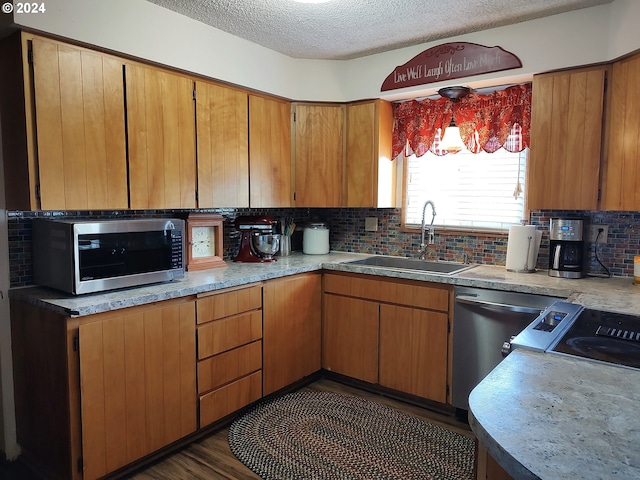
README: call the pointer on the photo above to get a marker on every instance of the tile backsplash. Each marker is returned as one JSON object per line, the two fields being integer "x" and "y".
{"x": 347, "y": 234}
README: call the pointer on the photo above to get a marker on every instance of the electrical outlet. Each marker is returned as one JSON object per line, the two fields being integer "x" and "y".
{"x": 594, "y": 229}
{"x": 370, "y": 224}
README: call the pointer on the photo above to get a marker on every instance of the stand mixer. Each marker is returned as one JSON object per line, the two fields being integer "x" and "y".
{"x": 259, "y": 241}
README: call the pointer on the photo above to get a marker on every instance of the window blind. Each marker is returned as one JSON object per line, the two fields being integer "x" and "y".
{"x": 470, "y": 191}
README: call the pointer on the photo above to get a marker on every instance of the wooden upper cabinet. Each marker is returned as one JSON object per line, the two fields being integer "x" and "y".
{"x": 269, "y": 152}
{"x": 621, "y": 177}
{"x": 161, "y": 133}
{"x": 319, "y": 154}
{"x": 370, "y": 171}
{"x": 566, "y": 134}
{"x": 66, "y": 141}
{"x": 223, "y": 146}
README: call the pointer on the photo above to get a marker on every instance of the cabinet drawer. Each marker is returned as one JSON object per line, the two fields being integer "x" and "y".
{"x": 411, "y": 293}
{"x": 362, "y": 286}
{"x": 228, "y": 399}
{"x": 222, "y": 305}
{"x": 222, "y": 335}
{"x": 432, "y": 296}
{"x": 229, "y": 366}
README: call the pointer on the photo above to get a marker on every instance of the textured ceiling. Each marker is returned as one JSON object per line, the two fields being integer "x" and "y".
{"x": 346, "y": 29}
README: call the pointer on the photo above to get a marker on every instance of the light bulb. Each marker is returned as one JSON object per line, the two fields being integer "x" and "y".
{"x": 452, "y": 141}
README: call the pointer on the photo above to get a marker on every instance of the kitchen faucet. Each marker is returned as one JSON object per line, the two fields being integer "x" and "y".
{"x": 423, "y": 247}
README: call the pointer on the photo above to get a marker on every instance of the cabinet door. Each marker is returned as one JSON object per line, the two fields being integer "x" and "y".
{"x": 370, "y": 171}
{"x": 621, "y": 179}
{"x": 319, "y": 155}
{"x": 223, "y": 146}
{"x": 566, "y": 133}
{"x": 79, "y": 101}
{"x": 162, "y": 139}
{"x": 292, "y": 334}
{"x": 413, "y": 351}
{"x": 138, "y": 384}
{"x": 269, "y": 152}
{"x": 45, "y": 388}
{"x": 350, "y": 337}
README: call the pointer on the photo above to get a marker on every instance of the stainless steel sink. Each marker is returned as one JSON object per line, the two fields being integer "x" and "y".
{"x": 403, "y": 263}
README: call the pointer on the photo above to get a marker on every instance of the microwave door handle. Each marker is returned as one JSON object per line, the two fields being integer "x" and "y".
{"x": 556, "y": 258}
{"x": 503, "y": 306}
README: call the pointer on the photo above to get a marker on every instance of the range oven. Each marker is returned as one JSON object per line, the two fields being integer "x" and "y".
{"x": 92, "y": 256}
{"x": 569, "y": 329}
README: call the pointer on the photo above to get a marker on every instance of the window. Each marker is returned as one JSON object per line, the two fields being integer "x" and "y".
{"x": 480, "y": 189}
{"x": 471, "y": 191}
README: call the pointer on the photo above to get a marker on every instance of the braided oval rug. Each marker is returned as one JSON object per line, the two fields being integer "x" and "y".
{"x": 325, "y": 435}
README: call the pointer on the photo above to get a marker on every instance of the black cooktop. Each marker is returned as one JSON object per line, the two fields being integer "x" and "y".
{"x": 604, "y": 336}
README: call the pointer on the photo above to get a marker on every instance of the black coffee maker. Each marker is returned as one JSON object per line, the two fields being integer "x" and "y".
{"x": 566, "y": 252}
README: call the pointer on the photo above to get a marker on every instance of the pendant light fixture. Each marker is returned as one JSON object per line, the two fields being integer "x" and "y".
{"x": 451, "y": 140}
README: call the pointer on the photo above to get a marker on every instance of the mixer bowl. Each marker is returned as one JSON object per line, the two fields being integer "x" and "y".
{"x": 266, "y": 245}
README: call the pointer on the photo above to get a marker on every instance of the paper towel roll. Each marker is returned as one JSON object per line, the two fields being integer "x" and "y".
{"x": 523, "y": 239}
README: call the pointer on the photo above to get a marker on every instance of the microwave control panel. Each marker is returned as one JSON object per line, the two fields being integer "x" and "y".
{"x": 177, "y": 251}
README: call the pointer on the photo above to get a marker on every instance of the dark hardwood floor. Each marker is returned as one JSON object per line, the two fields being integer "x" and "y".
{"x": 14, "y": 471}
{"x": 211, "y": 458}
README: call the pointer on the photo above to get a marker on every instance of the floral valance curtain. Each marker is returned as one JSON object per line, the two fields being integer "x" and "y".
{"x": 486, "y": 122}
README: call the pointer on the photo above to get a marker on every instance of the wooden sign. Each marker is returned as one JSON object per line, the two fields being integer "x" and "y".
{"x": 449, "y": 61}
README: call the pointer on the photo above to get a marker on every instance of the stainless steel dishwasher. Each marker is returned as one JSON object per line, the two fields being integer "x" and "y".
{"x": 482, "y": 320}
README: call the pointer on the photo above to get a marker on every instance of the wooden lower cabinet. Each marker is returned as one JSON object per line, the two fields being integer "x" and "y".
{"x": 96, "y": 393}
{"x": 394, "y": 333}
{"x": 350, "y": 337}
{"x": 292, "y": 329}
{"x": 137, "y": 382}
{"x": 229, "y": 340}
{"x": 413, "y": 351}
{"x": 46, "y": 389}
{"x": 487, "y": 468}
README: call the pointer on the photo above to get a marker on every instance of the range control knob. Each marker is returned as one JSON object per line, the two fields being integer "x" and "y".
{"x": 506, "y": 346}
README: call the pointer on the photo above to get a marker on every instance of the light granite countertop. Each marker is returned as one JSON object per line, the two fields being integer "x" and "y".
{"x": 612, "y": 294}
{"x": 553, "y": 416}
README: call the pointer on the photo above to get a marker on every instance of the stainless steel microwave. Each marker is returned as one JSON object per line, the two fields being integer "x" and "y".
{"x": 92, "y": 256}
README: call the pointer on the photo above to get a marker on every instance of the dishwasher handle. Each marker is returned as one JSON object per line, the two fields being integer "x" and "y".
{"x": 504, "y": 306}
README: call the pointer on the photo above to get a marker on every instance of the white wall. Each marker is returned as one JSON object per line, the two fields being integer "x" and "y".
{"x": 146, "y": 30}
{"x": 574, "y": 38}
{"x": 624, "y": 22}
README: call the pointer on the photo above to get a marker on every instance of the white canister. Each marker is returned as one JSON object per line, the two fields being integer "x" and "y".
{"x": 315, "y": 239}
